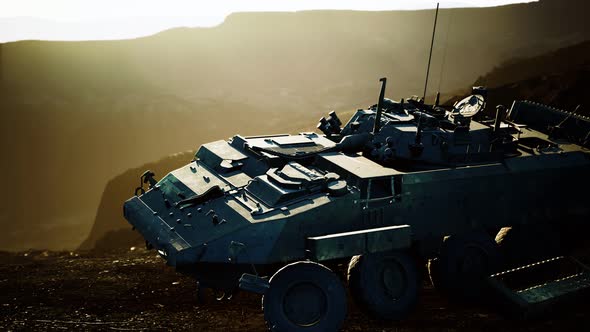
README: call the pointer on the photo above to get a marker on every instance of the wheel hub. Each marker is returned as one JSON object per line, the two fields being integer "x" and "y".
{"x": 305, "y": 304}
{"x": 393, "y": 279}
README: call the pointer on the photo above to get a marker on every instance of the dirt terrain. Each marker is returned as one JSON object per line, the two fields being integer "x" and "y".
{"x": 135, "y": 290}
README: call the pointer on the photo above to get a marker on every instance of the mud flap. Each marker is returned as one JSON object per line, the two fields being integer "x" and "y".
{"x": 531, "y": 290}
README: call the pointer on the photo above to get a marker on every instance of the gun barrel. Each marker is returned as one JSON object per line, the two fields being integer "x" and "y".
{"x": 377, "y": 124}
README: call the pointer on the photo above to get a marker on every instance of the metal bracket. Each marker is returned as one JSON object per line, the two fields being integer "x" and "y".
{"x": 253, "y": 283}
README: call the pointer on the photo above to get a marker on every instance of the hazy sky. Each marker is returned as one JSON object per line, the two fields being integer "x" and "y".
{"x": 116, "y": 19}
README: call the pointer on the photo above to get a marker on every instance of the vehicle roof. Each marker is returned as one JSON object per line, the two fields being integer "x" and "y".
{"x": 358, "y": 165}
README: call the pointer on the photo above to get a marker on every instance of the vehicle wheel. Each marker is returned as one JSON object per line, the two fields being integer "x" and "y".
{"x": 304, "y": 296}
{"x": 464, "y": 263}
{"x": 385, "y": 284}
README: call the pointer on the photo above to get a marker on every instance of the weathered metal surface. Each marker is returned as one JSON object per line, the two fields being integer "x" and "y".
{"x": 357, "y": 166}
{"x": 359, "y": 242}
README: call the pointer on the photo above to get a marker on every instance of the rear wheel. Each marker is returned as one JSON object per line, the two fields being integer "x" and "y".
{"x": 385, "y": 284}
{"x": 304, "y": 296}
{"x": 464, "y": 263}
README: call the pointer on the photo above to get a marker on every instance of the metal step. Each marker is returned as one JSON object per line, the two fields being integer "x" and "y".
{"x": 531, "y": 290}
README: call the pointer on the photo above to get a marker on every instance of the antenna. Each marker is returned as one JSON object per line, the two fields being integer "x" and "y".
{"x": 430, "y": 56}
{"x": 377, "y": 124}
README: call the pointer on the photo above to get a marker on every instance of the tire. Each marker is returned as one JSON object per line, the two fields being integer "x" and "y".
{"x": 304, "y": 296}
{"x": 385, "y": 285}
{"x": 464, "y": 263}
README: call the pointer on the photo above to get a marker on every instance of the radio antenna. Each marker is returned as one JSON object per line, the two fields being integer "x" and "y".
{"x": 430, "y": 56}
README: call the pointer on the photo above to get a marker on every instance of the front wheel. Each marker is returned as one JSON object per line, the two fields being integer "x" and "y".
{"x": 304, "y": 296}
{"x": 385, "y": 284}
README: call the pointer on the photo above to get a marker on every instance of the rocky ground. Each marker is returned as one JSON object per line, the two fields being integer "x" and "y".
{"x": 135, "y": 290}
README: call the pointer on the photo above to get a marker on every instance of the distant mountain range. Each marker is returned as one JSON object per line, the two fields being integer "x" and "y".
{"x": 32, "y": 28}
{"x": 309, "y": 58}
{"x": 75, "y": 114}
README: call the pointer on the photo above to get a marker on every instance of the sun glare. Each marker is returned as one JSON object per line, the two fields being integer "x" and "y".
{"x": 114, "y": 19}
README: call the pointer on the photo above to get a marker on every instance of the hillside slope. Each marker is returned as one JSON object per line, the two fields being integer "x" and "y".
{"x": 109, "y": 216}
{"x": 560, "y": 79}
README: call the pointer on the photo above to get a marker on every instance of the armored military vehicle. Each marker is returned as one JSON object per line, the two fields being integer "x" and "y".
{"x": 400, "y": 184}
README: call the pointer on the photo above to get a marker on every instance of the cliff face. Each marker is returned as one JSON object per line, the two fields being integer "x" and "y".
{"x": 109, "y": 217}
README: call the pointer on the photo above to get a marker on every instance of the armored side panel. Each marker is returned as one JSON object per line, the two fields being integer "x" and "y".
{"x": 542, "y": 118}
{"x": 348, "y": 244}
